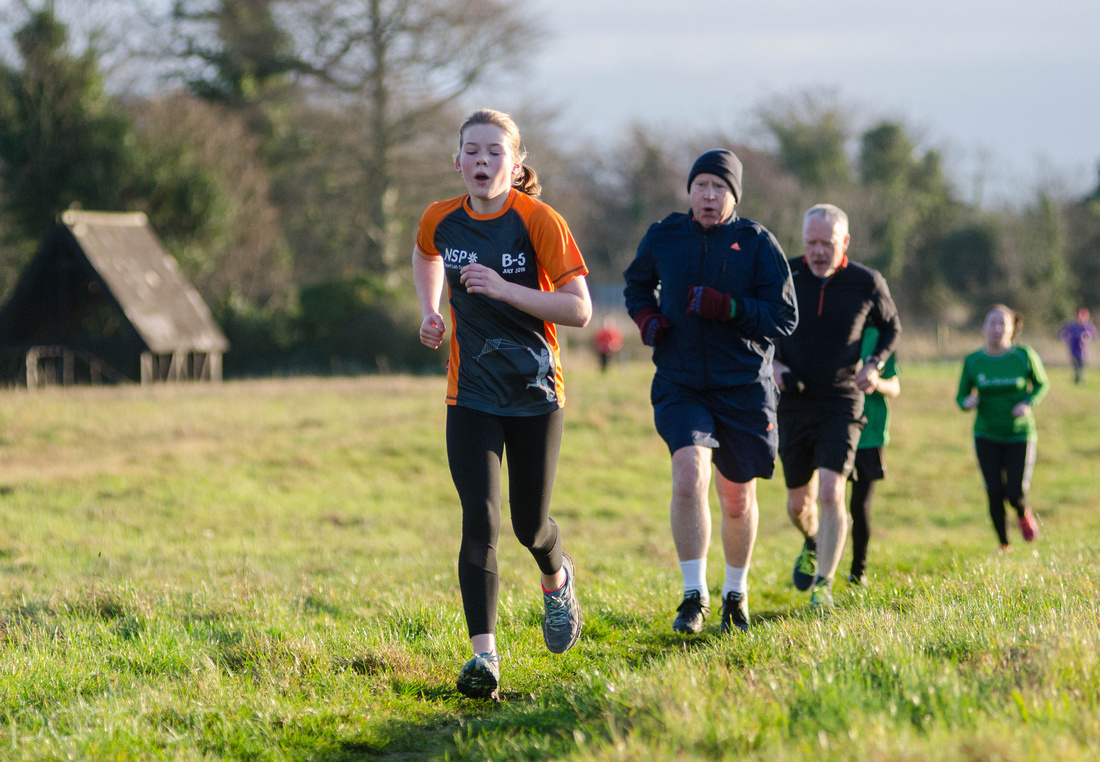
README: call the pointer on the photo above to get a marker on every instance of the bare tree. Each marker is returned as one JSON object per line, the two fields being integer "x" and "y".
{"x": 397, "y": 64}
{"x": 407, "y": 60}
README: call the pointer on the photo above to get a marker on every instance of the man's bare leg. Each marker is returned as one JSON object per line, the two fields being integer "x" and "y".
{"x": 690, "y": 518}
{"x": 833, "y": 523}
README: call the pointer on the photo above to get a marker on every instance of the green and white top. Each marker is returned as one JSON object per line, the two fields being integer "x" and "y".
{"x": 1003, "y": 382}
{"x": 876, "y": 432}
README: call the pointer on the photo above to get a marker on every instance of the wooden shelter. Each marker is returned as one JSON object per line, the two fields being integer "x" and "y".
{"x": 102, "y": 300}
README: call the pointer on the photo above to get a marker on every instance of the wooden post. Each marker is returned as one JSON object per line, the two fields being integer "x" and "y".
{"x": 214, "y": 359}
{"x": 68, "y": 374}
{"x": 176, "y": 369}
{"x": 146, "y": 368}
{"x": 32, "y": 369}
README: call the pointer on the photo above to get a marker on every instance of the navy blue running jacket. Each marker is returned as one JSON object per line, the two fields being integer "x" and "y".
{"x": 739, "y": 258}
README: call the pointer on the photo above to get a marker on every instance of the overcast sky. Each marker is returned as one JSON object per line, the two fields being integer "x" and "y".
{"x": 1007, "y": 89}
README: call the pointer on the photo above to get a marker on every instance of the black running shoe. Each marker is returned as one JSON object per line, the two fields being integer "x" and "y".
{"x": 480, "y": 677}
{"x": 735, "y": 612}
{"x": 805, "y": 567}
{"x": 693, "y": 611}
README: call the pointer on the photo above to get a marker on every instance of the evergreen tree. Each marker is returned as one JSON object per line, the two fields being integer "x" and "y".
{"x": 62, "y": 140}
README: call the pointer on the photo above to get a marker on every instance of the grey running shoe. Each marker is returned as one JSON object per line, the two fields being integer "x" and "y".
{"x": 693, "y": 610}
{"x": 561, "y": 625}
{"x": 857, "y": 580}
{"x": 821, "y": 598}
{"x": 735, "y": 612}
{"x": 805, "y": 567}
{"x": 480, "y": 677}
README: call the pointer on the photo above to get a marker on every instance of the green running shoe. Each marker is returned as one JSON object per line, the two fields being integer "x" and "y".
{"x": 821, "y": 598}
{"x": 805, "y": 567}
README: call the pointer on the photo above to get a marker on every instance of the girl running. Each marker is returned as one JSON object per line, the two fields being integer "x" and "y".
{"x": 512, "y": 271}
{"x": 1004, "y": 381}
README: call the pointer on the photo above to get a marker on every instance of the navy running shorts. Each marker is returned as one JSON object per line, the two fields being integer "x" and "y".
{"x": 737, "y": 423}
{"x": 816, "y": 433}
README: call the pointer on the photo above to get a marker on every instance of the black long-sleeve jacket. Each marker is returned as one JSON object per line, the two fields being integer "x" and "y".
{"x": 824, "y": 351}
{"x": 739, "y": 258}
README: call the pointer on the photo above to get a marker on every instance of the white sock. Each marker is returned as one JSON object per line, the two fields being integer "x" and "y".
{"x": 735, "y": 581}
{"x": 695, "y": 576}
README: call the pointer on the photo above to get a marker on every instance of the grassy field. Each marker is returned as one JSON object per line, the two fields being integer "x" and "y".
{"x": 266, "y": 570}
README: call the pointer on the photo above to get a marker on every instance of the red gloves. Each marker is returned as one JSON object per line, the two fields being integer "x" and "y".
{"x": 652, "y": 324}
{"x": 703, "y": 301}
{"x": 706, "y": 302}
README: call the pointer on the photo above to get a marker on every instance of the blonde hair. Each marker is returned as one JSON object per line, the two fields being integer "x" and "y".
{"x": 829, "y": 212}
{"x": 526, "y": 181}
{"x": 1016, "y": 317}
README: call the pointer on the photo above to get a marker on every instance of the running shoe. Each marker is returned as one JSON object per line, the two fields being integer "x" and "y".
{"x": 693, "y": 611}
{"x": 821, "y": 599}
{"x": 561, "y": 625}
{"x": 735, "y": 612}
{"x": 857, "y": 580}
{"x": 805, "y": 567}
{"x": 480, "y": 677}
{"x": 1028, "y": 526}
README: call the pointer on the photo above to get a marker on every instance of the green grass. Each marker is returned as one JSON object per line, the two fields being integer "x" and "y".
{"x": 266, "y": 570}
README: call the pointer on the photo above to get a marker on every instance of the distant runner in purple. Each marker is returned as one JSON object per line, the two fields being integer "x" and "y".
{"x": 1077, "y": 334}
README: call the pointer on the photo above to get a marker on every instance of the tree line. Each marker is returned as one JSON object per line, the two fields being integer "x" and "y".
{"x": 290, "y": 146}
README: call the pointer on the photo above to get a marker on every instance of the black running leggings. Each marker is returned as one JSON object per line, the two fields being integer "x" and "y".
{"x": 863, "y": 491}
{"x": 476, "y": 443}
{"x": 1006, "y": 468}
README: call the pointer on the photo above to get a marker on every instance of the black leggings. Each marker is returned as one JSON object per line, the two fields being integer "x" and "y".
{"x": 863, "y": 491}
{"x": 1006, "y": 468}
{"x": 475, "y": 447}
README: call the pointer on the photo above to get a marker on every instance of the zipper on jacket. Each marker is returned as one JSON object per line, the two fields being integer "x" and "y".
{"x": 821, "y": 297}
{"x": 702, "y": 332}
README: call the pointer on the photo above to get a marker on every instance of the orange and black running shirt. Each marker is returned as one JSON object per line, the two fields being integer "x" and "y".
{"x": 502, "y": 360}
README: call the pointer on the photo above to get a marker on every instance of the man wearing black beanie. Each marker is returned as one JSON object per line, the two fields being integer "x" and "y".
{"x": 710, "y": 292}
{"x": 722, "y": 164}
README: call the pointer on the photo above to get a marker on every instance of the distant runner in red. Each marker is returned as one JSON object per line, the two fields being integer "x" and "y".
{"x": 512, "y": 271}
{"x": 608, "y": 341}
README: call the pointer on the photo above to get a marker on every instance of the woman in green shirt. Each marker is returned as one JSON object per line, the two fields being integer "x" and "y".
{"x": 1004, "y": 381}
{"x": 870, "y": 465}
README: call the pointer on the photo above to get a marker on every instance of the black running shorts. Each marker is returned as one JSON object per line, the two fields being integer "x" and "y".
{"x": 817, "y": 433}
{"x": 869, "y": 466}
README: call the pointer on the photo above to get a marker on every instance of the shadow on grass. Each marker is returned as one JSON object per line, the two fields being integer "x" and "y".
{"x": 519, "y": 726}
{"x": 526, "y": 725}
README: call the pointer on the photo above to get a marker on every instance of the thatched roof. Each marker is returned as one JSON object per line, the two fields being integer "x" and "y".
{"x": 144, "y": 278}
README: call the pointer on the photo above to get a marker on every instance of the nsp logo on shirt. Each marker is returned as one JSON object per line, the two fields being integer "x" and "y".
{"x": 458, "y": 257}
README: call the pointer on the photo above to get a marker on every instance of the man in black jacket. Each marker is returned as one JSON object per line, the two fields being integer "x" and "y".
{"x": 822, "y": 378}
{"x": 710, "y": 291}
